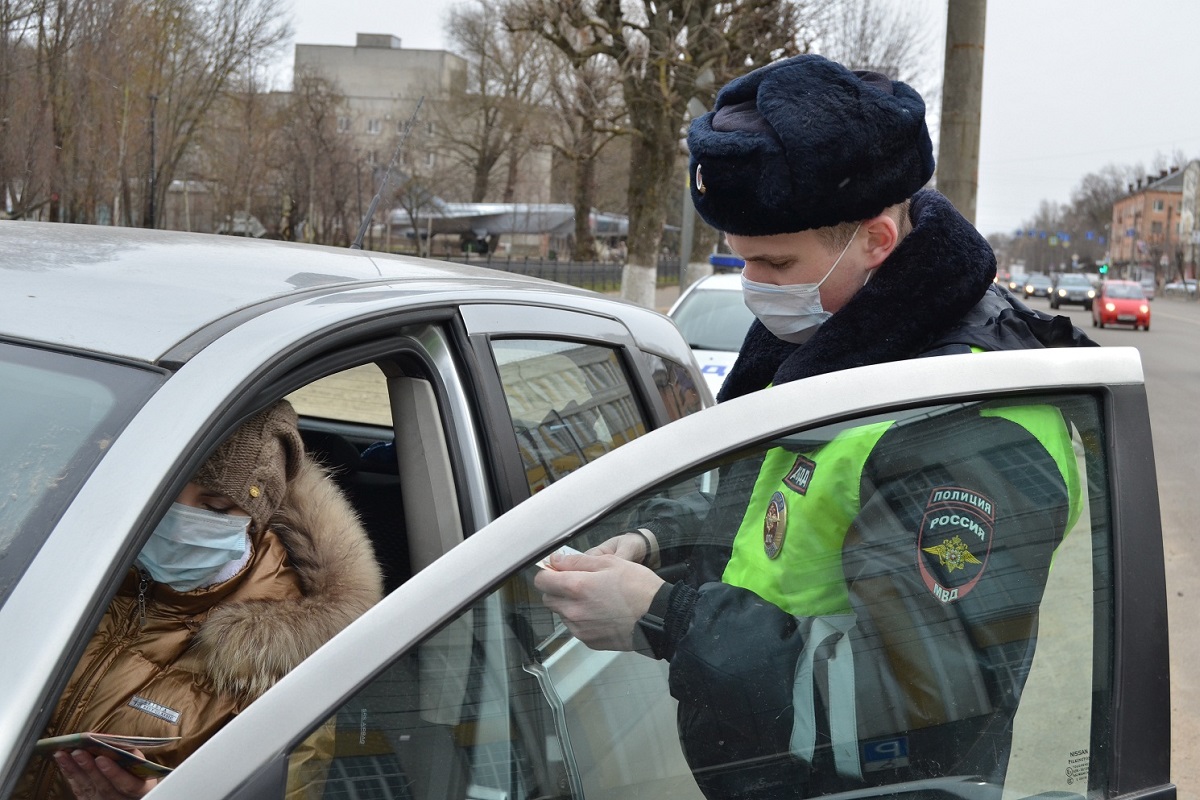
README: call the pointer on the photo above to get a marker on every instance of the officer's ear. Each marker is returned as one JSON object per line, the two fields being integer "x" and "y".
{"x": 882, "y": 236}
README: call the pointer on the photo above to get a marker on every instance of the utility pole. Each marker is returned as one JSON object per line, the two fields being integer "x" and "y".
{"x": 962, "y": 102}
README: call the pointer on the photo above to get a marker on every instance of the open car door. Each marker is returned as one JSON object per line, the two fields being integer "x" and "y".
{"x": 538, "y": 714}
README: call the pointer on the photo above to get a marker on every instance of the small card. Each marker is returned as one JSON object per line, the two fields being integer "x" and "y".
{"x": 565, "y": 550}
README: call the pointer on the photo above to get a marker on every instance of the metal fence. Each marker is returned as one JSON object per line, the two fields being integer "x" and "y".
{"x": 600, "y": 276}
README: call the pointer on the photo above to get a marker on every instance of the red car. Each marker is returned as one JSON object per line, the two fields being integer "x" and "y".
{"x": 1121, "y": 303}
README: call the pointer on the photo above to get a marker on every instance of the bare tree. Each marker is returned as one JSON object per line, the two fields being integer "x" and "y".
{"x": 488, "y": 119}
{"x": 24, "y": 153}
{"x": 1090, "y": 210}
{"x": 878, "y": 35}
{"x": 588, "y": 115}
{"x": 317, "y": 164}
{"x": 1037, "y": 245}
{"x": 1087, "y": 219}
{"x": 891, "y": 38}
{"x": 1169, "y": 162}
{"x": 660, "y": 47}
{"x": 237, "y": 155}
{"x": 415, "y": 194}
{"x": 198, "y": 50}
{"x": 92, "y": 88}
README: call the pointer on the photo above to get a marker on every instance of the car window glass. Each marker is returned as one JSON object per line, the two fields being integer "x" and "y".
{"x": 355, "y": 395}
{"x": 1129, "y": 291}
{"x": 713, "y": 319}
{"x": 60, "y": 414}
{"x": 676, "y": 387}
{"x": 346, "y": 424}
{"x": 570, "y": 403}
{"x": 962, "y": 590}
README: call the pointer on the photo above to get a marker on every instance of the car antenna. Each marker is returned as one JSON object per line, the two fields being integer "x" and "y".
{"x": 366, "y": 221}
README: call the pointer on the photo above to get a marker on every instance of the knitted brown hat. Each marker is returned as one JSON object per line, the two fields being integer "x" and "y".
{"x": 253, "y": 466}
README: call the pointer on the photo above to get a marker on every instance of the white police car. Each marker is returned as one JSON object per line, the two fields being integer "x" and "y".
{"x": 714, "y": 320}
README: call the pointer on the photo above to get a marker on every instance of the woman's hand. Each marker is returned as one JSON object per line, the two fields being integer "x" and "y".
{"x": 99, "y": 777}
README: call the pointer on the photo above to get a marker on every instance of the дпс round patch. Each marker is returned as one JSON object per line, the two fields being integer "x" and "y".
{"x": 955, "y": 541}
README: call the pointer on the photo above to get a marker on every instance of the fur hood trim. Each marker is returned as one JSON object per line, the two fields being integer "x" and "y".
{"x": 246, "y": 646}
{"x": 937, "y": 274}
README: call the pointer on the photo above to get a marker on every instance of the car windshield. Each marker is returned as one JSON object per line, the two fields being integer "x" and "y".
{"x": 1075, "y": 280}
{"x": 713, "y": 319}
{"x": 61, "y": 412}
{"x": 1130, "y": 291}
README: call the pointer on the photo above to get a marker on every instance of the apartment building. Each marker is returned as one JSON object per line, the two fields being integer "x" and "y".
{"x": 382, "y": 83}
{"x": 1147, "y": 224}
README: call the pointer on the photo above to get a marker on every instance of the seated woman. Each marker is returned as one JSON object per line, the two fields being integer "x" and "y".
{"x": 259, "y": 561}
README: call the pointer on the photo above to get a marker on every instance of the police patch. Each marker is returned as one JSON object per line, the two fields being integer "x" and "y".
{"x": 775, "y": 525}
{"x": 800, "y": 475}
{"x": 955, "y": 541}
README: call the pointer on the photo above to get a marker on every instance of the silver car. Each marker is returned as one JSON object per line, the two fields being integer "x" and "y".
{"x": 126, "y": 355}
{"x": 1072, "y": 289}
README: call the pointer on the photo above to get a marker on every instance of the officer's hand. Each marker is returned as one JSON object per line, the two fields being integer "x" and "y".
{"x": 629, "y": 546}
{"x": 99, "y": 777}
{"x": 599, "y": 597}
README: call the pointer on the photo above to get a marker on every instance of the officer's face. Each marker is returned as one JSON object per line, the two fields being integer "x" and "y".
{"x": 786, "y": 259}
{"x": 804, "y": 257}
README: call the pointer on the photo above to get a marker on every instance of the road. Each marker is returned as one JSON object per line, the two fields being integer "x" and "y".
{"x": 1171, "y": 357}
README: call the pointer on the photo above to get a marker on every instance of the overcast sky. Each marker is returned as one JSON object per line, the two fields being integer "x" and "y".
{"x": 1070, "y": 86}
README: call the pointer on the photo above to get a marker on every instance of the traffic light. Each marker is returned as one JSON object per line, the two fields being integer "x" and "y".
{"x": 1104, "y": 269}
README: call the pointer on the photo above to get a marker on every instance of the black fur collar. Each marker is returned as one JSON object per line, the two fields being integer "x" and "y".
{"x": 933, "y": 277}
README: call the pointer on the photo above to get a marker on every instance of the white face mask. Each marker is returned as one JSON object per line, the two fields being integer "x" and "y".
{"x": 792, "y": 312}
{"x": 190, "y": 546}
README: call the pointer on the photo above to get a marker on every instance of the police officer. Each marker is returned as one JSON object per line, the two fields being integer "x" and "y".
{"x": 864, "y": 609}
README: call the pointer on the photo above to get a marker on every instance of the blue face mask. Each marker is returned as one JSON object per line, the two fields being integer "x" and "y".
{"x": 190, "y": 546}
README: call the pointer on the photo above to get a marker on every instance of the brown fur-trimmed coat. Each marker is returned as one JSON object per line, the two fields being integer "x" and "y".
{"x": 198, "y": 658}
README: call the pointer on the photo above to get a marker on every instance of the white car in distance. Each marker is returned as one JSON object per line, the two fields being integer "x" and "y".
{"x": 714, "y": 320}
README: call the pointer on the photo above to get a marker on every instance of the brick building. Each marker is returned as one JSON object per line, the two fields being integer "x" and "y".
{"x": 1148, "y": 236}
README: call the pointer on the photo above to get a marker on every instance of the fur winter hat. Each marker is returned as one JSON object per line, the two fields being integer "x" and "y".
{"x": 806, "y": 143}
{"x": 254, "y": 465}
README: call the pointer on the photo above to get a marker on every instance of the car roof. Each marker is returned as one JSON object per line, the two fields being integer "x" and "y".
{"x": 731, "y": 281}
{"x": 716, "y": 282}
{"x": 137, "y": 293}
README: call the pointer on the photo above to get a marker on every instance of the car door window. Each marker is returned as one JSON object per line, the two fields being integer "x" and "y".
{"x": 943, "y": 622}
{"x": 570, "y": 403}
{"x": 358, "y": 394}
{"x": 676, "y": 387}
{"x": 346, "y": 424}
